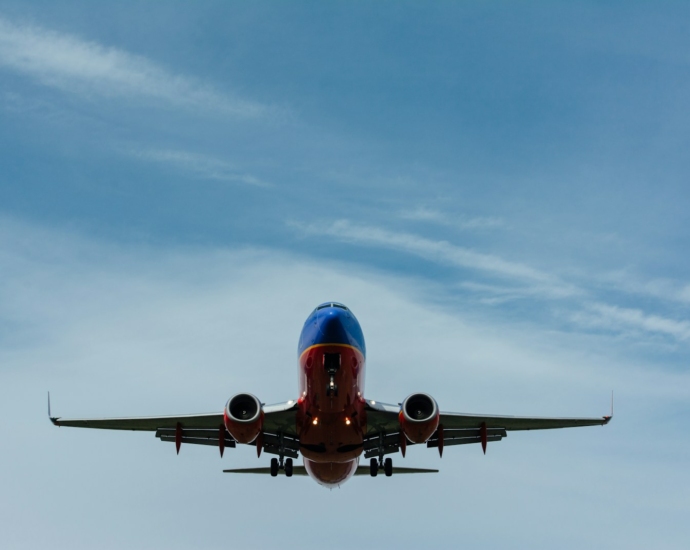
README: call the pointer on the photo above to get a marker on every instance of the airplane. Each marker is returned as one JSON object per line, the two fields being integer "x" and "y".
{"x": 331, "y": 424}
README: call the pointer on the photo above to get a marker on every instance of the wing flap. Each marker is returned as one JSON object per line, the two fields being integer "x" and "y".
{"x": 200, "y": 434}
{"x": 198, "y": 441}
{"x": 514, "y": 423}
{"x": 146, "y": 423}
{"x": 432, "y": 444}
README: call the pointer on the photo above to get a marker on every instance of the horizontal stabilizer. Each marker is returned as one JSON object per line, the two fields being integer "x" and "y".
{"x": 366, "y": 471}
{"x": 302, "y": 471}
{"x": 296, "y": 471}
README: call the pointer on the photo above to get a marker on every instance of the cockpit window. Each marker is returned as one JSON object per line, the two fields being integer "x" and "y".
{"x": 332, "y": 304}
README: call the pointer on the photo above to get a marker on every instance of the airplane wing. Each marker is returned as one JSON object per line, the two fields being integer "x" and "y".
{"x": 383, "y": 428}
{"x": 201, "y": 429}
{"x": 279, "y": 431}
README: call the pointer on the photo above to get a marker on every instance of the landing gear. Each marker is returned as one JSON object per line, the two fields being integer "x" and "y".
{"x": 387, "y": 464}
{"x": 373, "y": 467}
{"x": 331, "y": 362}
{"x": 276, "y": 466}
{"x": 388, "y": 467}
{"x": 281, "y": 463}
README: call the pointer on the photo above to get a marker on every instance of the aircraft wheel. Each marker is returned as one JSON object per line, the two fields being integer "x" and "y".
{"x": 288, "y": 467}
{"x": 274, "y": 467}
{"x": 373, "y": 467}
{"x": 388, "y": 467}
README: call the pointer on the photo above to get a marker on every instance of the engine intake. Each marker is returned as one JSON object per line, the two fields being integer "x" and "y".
{"x": 243, "y": 417}
{"x": 419, "y": 417}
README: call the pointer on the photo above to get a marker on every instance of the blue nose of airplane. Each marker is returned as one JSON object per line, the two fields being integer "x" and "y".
{"x": 333, "y": 325}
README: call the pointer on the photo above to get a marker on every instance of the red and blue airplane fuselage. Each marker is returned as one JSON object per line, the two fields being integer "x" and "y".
{"x": 332, "y": 417}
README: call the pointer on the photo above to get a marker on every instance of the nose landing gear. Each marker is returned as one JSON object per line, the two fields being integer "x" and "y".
{"x": 331, "y": 363}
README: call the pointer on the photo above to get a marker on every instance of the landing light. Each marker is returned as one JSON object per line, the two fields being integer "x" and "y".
{"x": 347, "y": 421}
{"x": 315, "y": 421}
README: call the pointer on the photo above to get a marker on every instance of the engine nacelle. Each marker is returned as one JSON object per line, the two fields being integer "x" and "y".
{"x": 419, "y": 417}
{"x": 243, "y": 417}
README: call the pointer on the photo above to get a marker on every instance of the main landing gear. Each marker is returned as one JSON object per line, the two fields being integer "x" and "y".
{"x": 376, "y": 464}
{"x": 280, "y": 464}
{"x": 277, "y": 465}
{"x": 387, "y": 464}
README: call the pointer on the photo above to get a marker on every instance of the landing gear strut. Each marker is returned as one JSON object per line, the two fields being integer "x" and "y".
{"x": 375, "y": 465}
{"x": 281, "y": 463}
{"x": 387, "y": 464}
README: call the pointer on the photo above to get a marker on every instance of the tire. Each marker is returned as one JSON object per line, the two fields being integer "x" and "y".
{"x": 373, "y": 467}
{"x": 274, "y": 467}
{"x": 288, "y": 467}
{"x": 388, "y": 467}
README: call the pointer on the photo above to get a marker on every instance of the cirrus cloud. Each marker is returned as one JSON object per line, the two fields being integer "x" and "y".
{"x": 88, "y": 68}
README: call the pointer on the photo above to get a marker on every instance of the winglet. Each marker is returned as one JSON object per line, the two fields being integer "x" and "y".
{"x": 53, "y": 419}
{"x": 607, "y": 419}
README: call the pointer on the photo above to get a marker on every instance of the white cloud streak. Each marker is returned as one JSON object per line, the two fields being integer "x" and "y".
{"x": 90, "y": 69}
{"x": 531, "y": 282}
{"x": 201, "y": 166}
{"x": 613, "y": 317}
{"x": 663, "y": 289}
{"x": 442, "y": 252}
{"x": 423, "y": 214}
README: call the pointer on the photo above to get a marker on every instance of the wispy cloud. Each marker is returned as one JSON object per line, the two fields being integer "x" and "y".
{"x": 663, "y": 289}
{"x": 617, "y": 318}
{"x": 520, "y": 280}
{"x": 88, "y": 68}
{"x": 441, "y": 252}
{"x": 431, "y": 215}
{"x": 201, "y": 166}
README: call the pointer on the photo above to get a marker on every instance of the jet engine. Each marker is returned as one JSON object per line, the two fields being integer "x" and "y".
{"x": 243, "y": 417}
{"x": 419, "y": 417}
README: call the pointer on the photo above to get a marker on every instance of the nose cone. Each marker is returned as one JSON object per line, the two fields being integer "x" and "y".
{"x": 333, "y": 325}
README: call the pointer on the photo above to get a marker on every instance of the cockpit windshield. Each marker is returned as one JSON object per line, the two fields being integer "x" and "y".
{"x": 332, "y": 304}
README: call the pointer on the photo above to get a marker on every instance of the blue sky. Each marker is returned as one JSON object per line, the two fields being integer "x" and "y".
{"x": 498, "y": 191}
